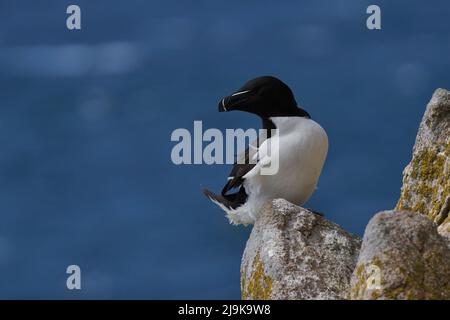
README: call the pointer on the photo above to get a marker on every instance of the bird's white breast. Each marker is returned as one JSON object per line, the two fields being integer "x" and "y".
{"x": 303, "y": 146}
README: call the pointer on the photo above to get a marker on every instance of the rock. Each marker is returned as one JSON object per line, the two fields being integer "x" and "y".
{"x": 295, "y": 254}
{"x": 426, "y": 179}
{"x": 402, "y": 257}
{"x": 444, "y": 230}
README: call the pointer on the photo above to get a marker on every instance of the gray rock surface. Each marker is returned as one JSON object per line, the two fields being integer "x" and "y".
{"x": 426, "y": 179}
{"x": 295, "y": 254}
{"x": 402, "y": 257}
{"x": 444, "y": 230}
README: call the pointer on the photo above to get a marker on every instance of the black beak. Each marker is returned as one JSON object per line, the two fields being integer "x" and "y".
{"x": 234, "y": 102}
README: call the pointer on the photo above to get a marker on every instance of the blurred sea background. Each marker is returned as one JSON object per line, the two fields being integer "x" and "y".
{"x": 86, "y": 117}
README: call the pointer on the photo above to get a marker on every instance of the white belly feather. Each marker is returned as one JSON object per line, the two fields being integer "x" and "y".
{"x": 303, "y": 146}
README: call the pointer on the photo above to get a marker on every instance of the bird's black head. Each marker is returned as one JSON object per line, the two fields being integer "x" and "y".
{"x": 265, "y": 96}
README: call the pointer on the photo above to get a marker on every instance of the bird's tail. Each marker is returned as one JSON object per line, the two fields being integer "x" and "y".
{"x": 218, "y": 199}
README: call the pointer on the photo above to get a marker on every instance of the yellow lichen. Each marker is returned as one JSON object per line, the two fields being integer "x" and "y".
{"x": 359, "y": 288}
{"x": 426, "y": 184}
{"x": 410, "y": 284}
{"x": 259, "y": 286}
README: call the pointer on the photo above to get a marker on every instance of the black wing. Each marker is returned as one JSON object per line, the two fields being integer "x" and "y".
{"x": 235, "y": 180}
{"x": 240, "y": 169}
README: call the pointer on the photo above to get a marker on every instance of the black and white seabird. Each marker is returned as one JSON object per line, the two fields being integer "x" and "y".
{"x": 303, "y": 146}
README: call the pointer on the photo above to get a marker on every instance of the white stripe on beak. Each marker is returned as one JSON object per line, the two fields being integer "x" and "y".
{"x": 223, "y": 104}
{"x": 238, "y": 93}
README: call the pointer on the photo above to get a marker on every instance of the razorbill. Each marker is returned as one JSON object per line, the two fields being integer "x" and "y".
{"x": 303, "y": 146}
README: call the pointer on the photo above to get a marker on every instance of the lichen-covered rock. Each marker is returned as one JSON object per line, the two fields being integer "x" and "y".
{"x": 295, "y": 254}
{"x": 402, "y": 257}
{"x": 444, "y": 230}
{"x": 426, "y": 179}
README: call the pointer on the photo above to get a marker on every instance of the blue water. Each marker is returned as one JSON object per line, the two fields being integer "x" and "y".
{"x": 86, "y": 117}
